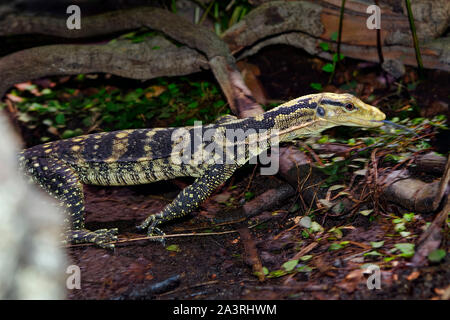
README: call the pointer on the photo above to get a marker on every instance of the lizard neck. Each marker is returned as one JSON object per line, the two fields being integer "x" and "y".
{"x": 295, "y": 113}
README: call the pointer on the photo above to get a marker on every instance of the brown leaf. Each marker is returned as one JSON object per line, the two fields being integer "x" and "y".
{"x": 14, "y": 98}
{"x": 155, "y": 92}
{"x": 413, "y": 276}
{"x": 223, "y": 197}
{"x": 351, "y": 281}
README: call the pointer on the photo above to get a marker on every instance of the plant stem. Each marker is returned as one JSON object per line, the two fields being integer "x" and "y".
{"x": 206, "y": 13}
{"x": 379, "y": 49}
{"x": 341, "y": 20}
{"x": 415, "y": 39}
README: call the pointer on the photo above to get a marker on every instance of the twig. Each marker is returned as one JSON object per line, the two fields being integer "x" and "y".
{"x": 205, "y": 14}
{"x": 251, "y": 253}
{"x": 415, "y": 39}
{"x": 375, "y": 178}
{"x": 189, "y": 287}
{"x": 156, "y": 238}
{"x": 314, "y": 155}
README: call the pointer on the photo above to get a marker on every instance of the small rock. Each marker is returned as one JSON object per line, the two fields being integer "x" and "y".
{"x": 395, "y": 68}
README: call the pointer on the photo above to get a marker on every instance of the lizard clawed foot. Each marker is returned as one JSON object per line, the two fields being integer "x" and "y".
{"x": 100, "y": 237}
{"x": 151, "y": 223}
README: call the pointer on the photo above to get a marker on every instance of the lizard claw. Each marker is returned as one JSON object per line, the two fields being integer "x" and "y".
{"x": 151, "y": 223}
{"x": 154, "y": 231}
{"x": 101, "y": 237}
{"x": 144, "y": 225}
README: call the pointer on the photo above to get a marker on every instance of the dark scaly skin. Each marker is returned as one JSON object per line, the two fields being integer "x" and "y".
{"x": 141, "y": 156}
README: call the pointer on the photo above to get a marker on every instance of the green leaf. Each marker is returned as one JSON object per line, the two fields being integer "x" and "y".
{"x": 369, "y": 141}
{"x": 193, "y": 105}
{"x": 265, "y": 271}
{"x": 328, "y": 67}
{"x": 366, "y": 212}
{"x": 407, "y": 249}
{"x": 46, "y": 91}
{"x": 334, "y": 36}
{"x": 60, "y": 118}
{"x": 387, "y": 259}
{"x": 436, "y": 255}
{"x": 249, "y": 195}
{"x": 335, "y": 246}
{"x": 68, "y": 134}
{"x": 276, "y": 274}
{"x": 290, "y": 265}
{"x": 335, "y": 57}
{"x": 325, "y": 46}
{"x": 306, "y": 257}
{"x": 315, "y": 227}
{"x": 399, "y": 227}
{"x": 174, "y": 248}
{"x": 373, "y": 253}
{"x": 337, "y": 232}
{"x": 377, "y": 244}
{"x": 316, "y": 85}
{"x": 323, "y": 139}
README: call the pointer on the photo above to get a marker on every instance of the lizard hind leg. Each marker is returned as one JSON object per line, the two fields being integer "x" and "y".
{"x": 60, "y": 181}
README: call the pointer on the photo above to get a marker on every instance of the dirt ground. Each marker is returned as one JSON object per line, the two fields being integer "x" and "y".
{"x": 215, "y": 265}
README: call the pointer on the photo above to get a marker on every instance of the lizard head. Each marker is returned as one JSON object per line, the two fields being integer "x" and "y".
{"x": 316, "y": 112}
{"x": 346, "y": 110}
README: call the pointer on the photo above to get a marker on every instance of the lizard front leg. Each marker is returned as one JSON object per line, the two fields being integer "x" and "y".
{"x": 190, "y": 198}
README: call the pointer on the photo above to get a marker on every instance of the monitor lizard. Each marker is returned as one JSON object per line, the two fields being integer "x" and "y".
{"x": 141, "y": 156}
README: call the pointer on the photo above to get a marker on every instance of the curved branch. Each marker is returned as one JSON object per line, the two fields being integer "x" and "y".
{"x": 174, "y": 26}
{"x": 435, "y": 55}
{"x": 198, "y": 37}
{"x": 153, "y": 58}
{"x": 274, "y": 18}
{"x": 304, "y": 25}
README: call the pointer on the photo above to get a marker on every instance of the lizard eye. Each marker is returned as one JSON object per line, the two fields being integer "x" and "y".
{"x": 320, "y": 111}
{"x": 349, "y": 107}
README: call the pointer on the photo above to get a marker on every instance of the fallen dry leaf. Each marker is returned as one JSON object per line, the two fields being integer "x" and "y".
{"x": 14, "y": 98}
{"x": 351, "y": 281}
{"x": 413, "y": 276}
{"x": 223, "y": 197}
{"x": 155, "y": 92}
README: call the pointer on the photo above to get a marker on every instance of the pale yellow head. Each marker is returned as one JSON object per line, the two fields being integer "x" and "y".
{"x": 347, "y": 110}
{"x": 314, "y": 113}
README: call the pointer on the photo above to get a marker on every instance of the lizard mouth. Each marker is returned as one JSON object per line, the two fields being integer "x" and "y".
{"x": 368, "y": 123}
{"x": 357, "y": 122}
